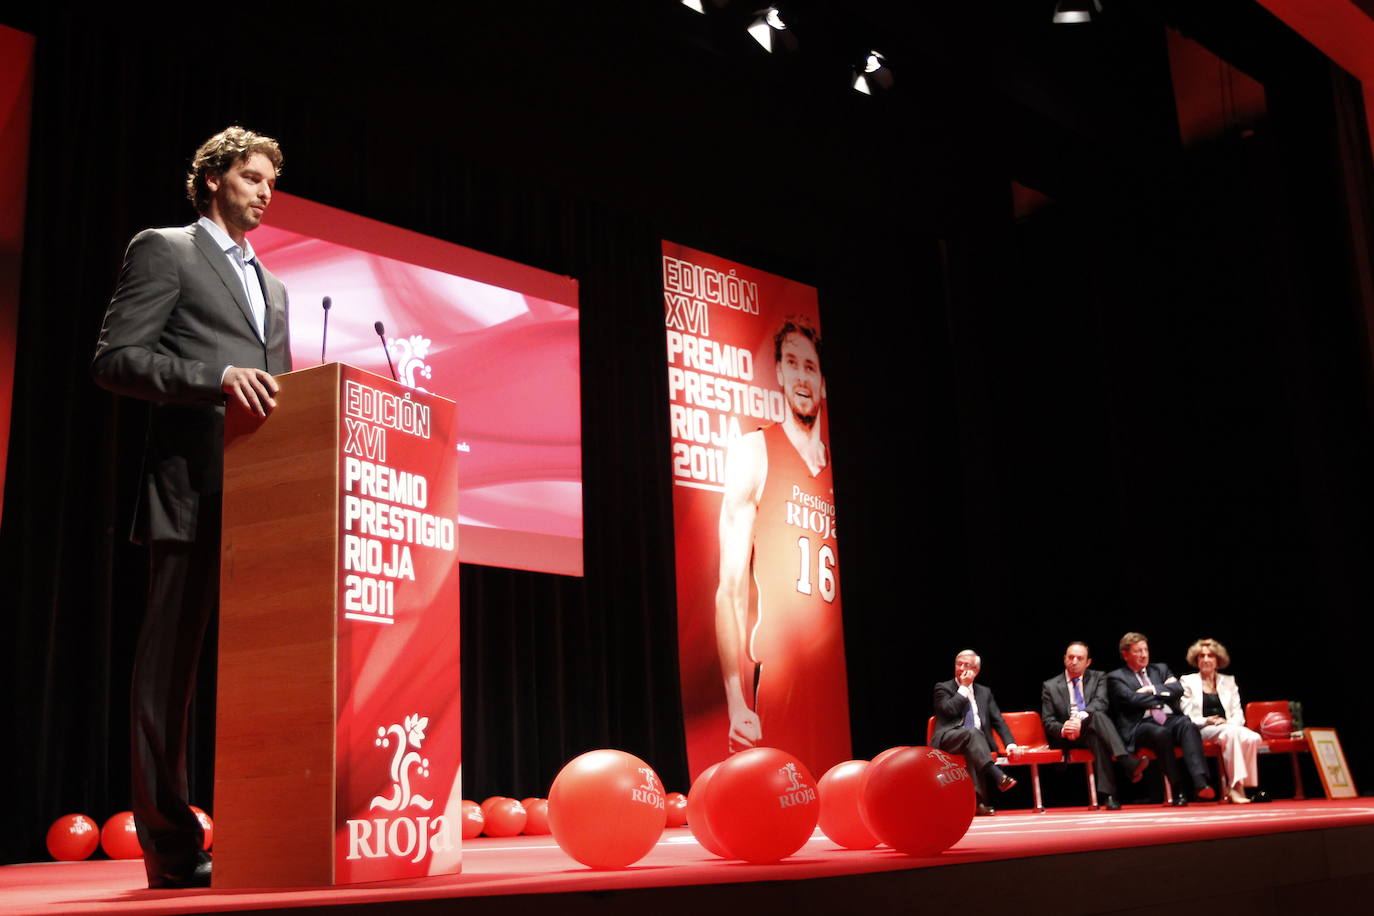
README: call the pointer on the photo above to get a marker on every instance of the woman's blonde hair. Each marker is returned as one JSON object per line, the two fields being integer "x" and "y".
{"x": 1223, "y": 657}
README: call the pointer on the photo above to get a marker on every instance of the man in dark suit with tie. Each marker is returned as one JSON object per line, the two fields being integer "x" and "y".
{"x": 965, "y": 716}
{"x": 1073, "y": 708}
{"x": 195, "y": 321}
{"x": 1145, "y": 701}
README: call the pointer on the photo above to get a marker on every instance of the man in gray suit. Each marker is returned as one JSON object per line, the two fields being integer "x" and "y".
{"x": 195, "y": 320}
{"x": 1073, "y": 708}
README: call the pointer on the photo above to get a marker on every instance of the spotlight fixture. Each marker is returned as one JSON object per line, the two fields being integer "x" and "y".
{"x": 872, "y": 72}
{"x": 770, "y": 31}
{"x": 700, "y": 7}
{"x": 1067, "y": 12}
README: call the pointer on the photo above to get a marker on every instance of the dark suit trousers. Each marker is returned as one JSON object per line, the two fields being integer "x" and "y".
{"x": 183, "y": 591}
{"x": 1177, "y": 731}
{"x": 977, "y": 755}
{"x": 1100, "y": 736}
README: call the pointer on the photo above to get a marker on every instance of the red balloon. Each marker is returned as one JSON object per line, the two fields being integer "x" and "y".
{"x": 841, "y": 791}
{"x": 489, "y": 801}
{"x": 606, "y": 809}
{"x": 73, "y": 837}
{"x": 473, "y": 819}
{"x": 696, "y": 814}
{"x": 118, "y": 837}
{"x": 762, "y": 804}
{"x": 863, "y": 815}
{"x": 207, "y": 827}
{"x": 919, "y": 800}
{"x": 676, "y": 804}
{"x": 537, "y": 820}
{"x": 883, "y": 755}
{"x": 504, "y": 817}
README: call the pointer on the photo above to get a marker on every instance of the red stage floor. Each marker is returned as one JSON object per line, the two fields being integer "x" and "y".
{"x": 535, "y": 865}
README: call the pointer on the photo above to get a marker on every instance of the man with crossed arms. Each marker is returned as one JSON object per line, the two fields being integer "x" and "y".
{"x": 1145, "y": 701}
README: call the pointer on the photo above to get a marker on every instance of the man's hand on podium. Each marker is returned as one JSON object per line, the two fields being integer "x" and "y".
{"x": 253, "y": 388}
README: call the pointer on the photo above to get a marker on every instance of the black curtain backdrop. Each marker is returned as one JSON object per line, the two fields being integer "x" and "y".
{"x": 1145, "y": 406}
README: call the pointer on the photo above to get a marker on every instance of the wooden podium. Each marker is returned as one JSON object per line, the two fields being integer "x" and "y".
{"x": 338, "y": 722}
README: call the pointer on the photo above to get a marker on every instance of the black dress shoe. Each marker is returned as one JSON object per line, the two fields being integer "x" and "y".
{"x": 1004, "y": 782}
{"x": 983, "y": 810}
{"x": 1110, "y": 803}
{"x": 1179, "y": 801}
{"x": 198, "y": 875}
{"x": 1259, "y": 795}
{"x": 1133, "y": 765}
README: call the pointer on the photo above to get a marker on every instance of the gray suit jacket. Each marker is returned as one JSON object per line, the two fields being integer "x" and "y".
{"x": 178, "y": 317}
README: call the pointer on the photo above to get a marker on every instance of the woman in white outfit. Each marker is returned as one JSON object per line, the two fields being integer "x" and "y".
{"x": 1212, "y": 700}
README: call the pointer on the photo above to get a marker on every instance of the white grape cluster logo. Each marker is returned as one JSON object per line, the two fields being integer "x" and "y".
{"x": 404, "y": 760}
{"x": 950, "y": 770}
{"x": 410, "y": 353}
{"x": 797, "y": 792}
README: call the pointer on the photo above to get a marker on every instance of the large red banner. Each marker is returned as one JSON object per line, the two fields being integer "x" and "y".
{"x": 399, "y": 804}
{"x": 16, "y": 100}
{"x": 761, "y": 646}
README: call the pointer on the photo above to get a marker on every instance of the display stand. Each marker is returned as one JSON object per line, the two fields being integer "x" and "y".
{"x": 338, "y": 720}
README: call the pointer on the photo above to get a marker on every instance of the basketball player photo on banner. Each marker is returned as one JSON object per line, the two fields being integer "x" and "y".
{"x": 760, "y": 641}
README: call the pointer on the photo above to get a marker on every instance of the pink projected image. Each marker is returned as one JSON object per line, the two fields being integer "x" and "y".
{"x": 498, "y": 338}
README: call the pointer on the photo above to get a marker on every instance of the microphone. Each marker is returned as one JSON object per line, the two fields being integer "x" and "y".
{"x": 325, "y": 333}
{"x": 381, "y": 332}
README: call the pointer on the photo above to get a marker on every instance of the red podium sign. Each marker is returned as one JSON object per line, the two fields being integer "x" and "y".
{"x": 354, "y": 478}
{"x": 399, "y": 727}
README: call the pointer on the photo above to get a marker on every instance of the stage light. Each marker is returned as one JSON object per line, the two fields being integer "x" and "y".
{"x": 770, "y": 31}
{"x": 1067, "y": 12}
{"x": 872, "y": 72}
{"x": 700, "y": 7}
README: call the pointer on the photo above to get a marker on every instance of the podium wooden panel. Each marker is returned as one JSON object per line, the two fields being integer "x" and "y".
{"x": 281, "y": 679}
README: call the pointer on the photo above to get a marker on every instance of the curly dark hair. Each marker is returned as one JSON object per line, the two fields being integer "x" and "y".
{"x": 218, "y": 154}
{"x": 796, "y": 324}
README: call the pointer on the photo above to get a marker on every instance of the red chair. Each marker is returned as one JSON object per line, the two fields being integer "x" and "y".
{"x": 1254, "y": 715}
{"x": 1029, "y": 732}
{"x": 1144, "y": 753}
{"x": 1209, "y": 749}
{"x": 930, "y": 733}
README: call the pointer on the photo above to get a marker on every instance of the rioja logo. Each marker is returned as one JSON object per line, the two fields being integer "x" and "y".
{"x": 650, "y": 790}
{"x": 797, "y": 791}
{"x": 401, "y": 835}
{"x": 950, "y": 770}
{"x": 402, "y": 761}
